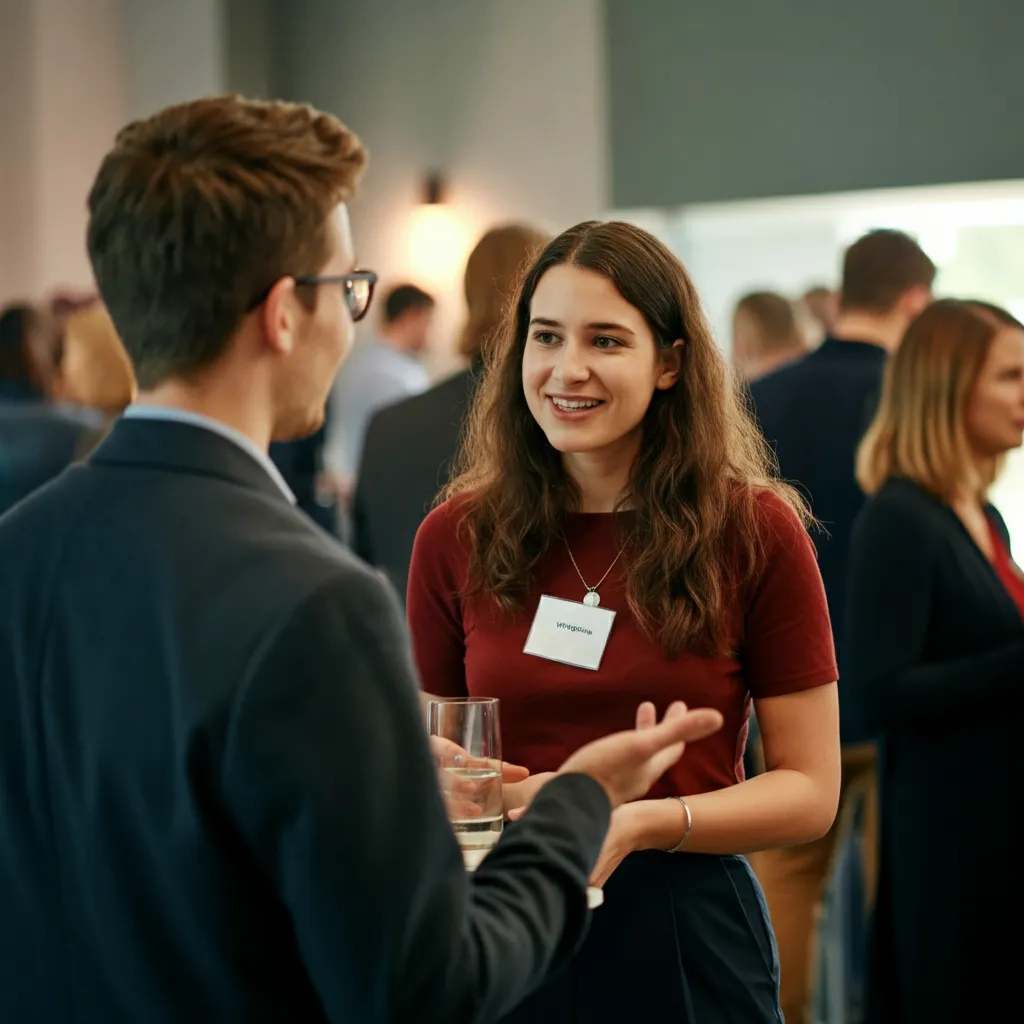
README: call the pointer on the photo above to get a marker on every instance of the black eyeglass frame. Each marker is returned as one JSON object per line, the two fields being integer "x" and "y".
{"x": 346, "y": 280}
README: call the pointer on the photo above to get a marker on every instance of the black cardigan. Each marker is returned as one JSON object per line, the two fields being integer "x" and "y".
{"x": 933, "y": 635}
{"x": 935, "y": 646}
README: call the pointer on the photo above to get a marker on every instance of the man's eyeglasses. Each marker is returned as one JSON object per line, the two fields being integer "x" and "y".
{"x": 357, "y": 287}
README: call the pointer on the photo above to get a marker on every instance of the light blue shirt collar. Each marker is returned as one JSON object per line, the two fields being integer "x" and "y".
{"x": 236, "y": 437}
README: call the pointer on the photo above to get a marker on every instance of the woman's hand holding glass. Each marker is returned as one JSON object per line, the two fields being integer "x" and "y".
{"x": 518, "y": 786}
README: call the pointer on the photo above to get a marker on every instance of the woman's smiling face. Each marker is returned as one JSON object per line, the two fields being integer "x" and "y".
{"x": 590, "y": 363}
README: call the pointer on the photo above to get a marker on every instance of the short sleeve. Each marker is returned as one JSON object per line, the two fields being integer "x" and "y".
{"x": 787, "y": 634}
{"x": 437, "y": 576}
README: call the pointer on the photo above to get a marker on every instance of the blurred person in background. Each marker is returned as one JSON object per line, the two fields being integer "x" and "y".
{"x": 765, "y": 334}
{"x": 410, "y": 445}
{"x": 381, "y": 370}
{"x": 610, "y": 466}
{"x": 814, "y": 414}
{"x": 64, "y": 301}
{"x": 935, "y": 648}
{"x": 217, "y": 798}
{"x": 38, "y": 436}
{"x": 94, "y": 373}
{"x": 820, "y": 307}
{"x": 29, "y": 351}
{"x": 317, "y": 492}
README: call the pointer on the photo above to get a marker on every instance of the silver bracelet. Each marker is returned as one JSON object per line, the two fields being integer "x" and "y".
{"x": 689, "y": 825}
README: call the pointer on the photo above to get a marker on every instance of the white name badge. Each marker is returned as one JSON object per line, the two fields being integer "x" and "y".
{"x": 569, "y": 632}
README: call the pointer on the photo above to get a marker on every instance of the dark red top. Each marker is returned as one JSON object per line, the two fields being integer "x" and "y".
{"x": 1006, "y": 569}
{"x": 467, "y": 646}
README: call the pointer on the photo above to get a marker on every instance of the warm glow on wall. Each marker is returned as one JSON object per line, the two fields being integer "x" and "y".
{"x": 437, "y": 237}
{"x": 437, "y": 244}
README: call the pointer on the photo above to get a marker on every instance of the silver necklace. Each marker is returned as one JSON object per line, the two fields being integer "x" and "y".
{"x": 592, "y": 599}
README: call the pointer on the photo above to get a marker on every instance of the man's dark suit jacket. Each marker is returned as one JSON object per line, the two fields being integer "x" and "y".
{"x": 216, "y": 797}
{"x": 407, "y": 454}
{"x": 814, "y": 413}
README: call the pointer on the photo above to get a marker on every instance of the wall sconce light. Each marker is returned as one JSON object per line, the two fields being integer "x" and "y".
{"x": 437, "y": 243}
{"x": 433, "y": 189}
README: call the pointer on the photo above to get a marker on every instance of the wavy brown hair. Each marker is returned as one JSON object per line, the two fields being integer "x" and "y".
{"x": 696, "y": 526}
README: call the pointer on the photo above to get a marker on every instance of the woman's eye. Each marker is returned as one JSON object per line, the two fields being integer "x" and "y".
{"x": 545, "y": 337}
{"x": 603, "y": 341}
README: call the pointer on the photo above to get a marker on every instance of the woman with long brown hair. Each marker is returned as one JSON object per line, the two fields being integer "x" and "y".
{"x": 936, "y": 641}
{"x": 615, "y": 535}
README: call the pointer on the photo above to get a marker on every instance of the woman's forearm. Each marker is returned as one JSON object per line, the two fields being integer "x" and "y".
{"x": 782, "y": 807}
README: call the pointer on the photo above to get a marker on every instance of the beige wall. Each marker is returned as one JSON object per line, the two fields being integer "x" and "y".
{"x": 173, "y": 51}
{"x": 72, "y": 72}
{"x": 62, "y": 81}
{"x": 506, "y": 99}
{"x": 79, "y": 103}
{"x": 18, "y": 242}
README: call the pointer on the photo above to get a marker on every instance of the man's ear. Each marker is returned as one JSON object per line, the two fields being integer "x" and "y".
{"x": 671, "y": 365}
{"x": 915, "y": 300}
{"x": 279, "y": 315}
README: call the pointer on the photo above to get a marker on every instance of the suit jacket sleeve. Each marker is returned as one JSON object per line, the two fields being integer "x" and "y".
{"x": 328, "y": 774}
{"x": 892, "y": 576}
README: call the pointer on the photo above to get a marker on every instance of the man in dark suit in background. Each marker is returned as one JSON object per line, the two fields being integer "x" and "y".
{"x": 301, "y": 463}
{"x": 217, "y": 801}
{"x": 409, "y": 447}
{"x": 814, "y": 413}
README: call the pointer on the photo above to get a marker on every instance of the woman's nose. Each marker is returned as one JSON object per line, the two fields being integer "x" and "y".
{"x": 572, "y": 365}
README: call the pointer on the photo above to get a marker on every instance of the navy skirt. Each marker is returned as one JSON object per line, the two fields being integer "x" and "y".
{"x": 682, "y": 938}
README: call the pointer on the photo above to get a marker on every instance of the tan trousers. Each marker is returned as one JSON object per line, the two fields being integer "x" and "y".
{"x": 795, "y": 879}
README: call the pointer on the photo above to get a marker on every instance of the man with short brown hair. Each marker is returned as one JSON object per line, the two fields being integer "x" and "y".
{"x": 814, "y": 413}
{"x": 217, "y": 801}
{"x": 765, "y": 335}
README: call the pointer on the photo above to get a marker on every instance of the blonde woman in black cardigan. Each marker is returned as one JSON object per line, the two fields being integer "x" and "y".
{"x": 936, "y": 643}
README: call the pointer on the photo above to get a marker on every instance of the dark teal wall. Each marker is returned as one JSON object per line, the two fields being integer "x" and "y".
{"x": 727, "y": 99}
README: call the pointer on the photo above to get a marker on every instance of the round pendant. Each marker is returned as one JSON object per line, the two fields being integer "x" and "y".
{"x": 591, "y": 600}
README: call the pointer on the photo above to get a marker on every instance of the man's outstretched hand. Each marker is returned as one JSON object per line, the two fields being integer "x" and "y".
{"x": 628, "y": 763}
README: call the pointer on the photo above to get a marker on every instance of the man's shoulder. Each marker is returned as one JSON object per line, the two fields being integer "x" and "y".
{"x": 334, "y": 570}
{"x": 380, "y": 360}
{"x": 170, "y": 511}
{"x": 789, "y": 377}
{"x": 377, "y": 378}
{"x": 252, "y": 559}
{"x": 817, "y": 377}
{"x": 47, "y": 508}
{"x": 47, "y": 424}
{"x": 426, "y": 407}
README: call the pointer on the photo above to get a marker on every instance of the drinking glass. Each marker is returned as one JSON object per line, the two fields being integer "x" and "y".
{"x": 465, "y": 736}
